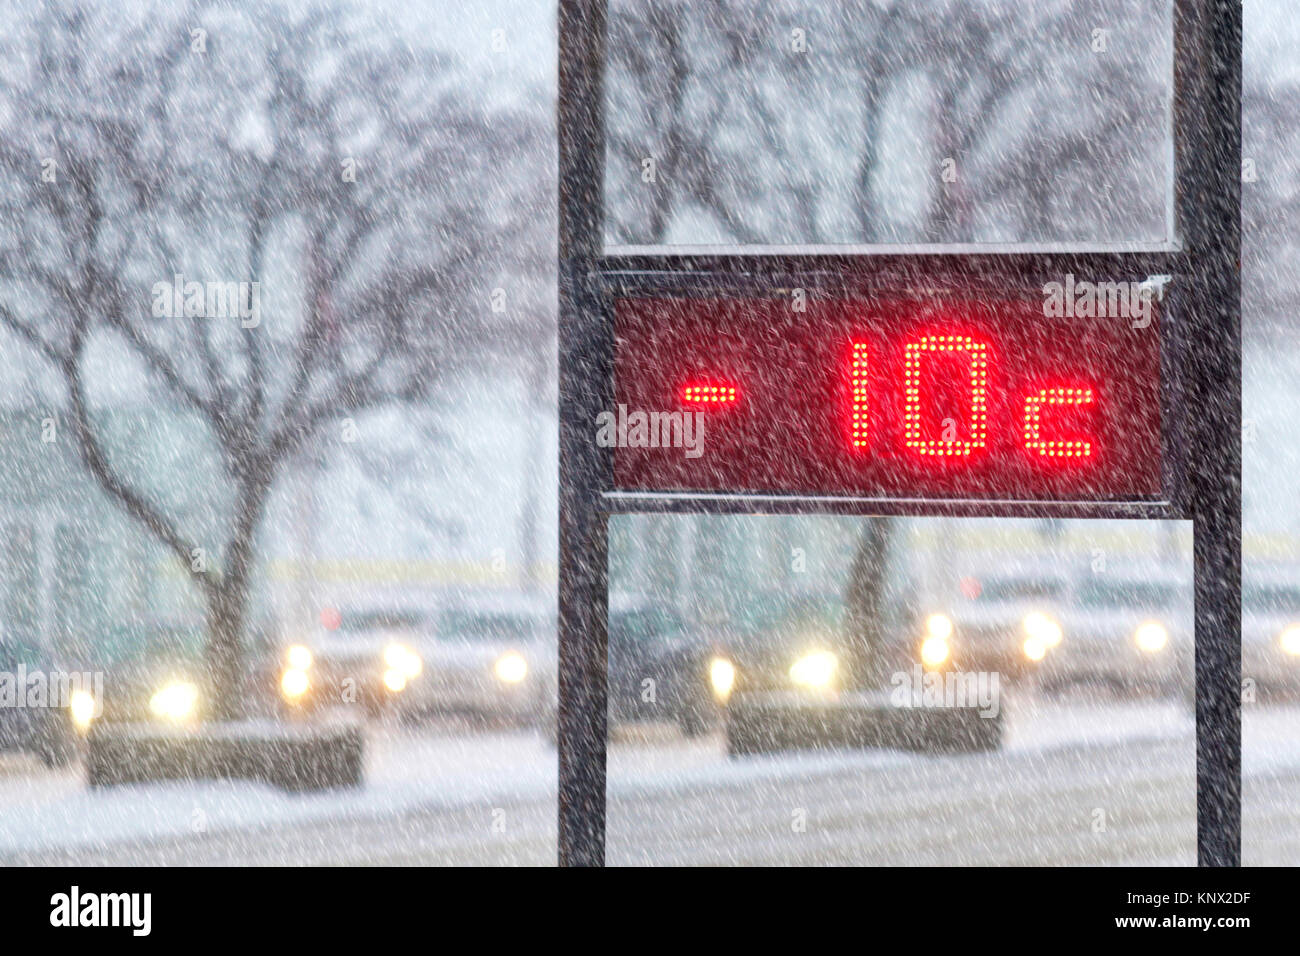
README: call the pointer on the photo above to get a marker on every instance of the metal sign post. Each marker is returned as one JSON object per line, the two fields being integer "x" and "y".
{"x": 1208, "y": 153}
{"x": 1199, "y": 397}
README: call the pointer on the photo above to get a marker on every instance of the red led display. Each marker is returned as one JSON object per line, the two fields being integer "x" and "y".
{"x": 903, "y": 399}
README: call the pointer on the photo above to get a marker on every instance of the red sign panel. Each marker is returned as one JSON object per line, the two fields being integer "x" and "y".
{"x": 898, "y": 399}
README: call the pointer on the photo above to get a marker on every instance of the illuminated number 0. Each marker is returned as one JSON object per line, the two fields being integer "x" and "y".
{"x": 913, "y": 355}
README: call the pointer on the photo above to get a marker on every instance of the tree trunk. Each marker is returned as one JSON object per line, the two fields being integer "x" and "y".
{"x": 865, "y": 603}
{"x": 228, "y": 607}
{"x": 945, "y": 217}
{"x": 224, "y": 651}
{"x": 869, "y": 218}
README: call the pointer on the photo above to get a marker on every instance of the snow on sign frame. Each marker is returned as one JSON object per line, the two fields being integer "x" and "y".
{"x": 906, "y": 380}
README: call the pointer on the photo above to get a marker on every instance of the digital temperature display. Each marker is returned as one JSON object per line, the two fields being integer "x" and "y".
{"x": 896, "y": 399}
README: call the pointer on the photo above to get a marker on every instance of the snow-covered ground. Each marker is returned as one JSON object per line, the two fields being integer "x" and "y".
{"x": 431, "y": 771}
{"x": 40, "y": 809}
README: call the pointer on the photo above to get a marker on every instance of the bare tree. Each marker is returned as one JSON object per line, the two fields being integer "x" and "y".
{"x": 352, "y": 177}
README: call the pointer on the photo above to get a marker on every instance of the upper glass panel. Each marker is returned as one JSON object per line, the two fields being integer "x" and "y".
{"x": 789, "y": 123}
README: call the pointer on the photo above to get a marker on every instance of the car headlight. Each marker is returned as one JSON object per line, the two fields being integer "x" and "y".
{"x": 722, "y": 675}
{"x": 1035, "y": 648}
{"x": 394, "y": 680}
{"x": 82, "y": 707}
{"x": 1151, "y": 637}
{"x": 1042, "y": 630}
{"x": 934, "y": 651}
{"x": 299, "y": 657}
{"x": 1289, "y": 640}
{"x": 294, "y": 683}
{"x": 815, "y": 671}
{"x": 175, "y": 701}
{"x": 939, "y": 626}
{"x": 511, "y": 668}
{"x": 403, "y": 660}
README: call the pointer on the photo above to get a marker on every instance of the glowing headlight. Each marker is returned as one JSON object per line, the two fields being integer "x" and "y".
{"x": 299, "y": 657}
{"x": 1151, "y": 636}
{"x": 403, "y": 660}
{"x": 176, "y": 701}
{"x": 939, "y": 626}
{"x": 722, "y": 675}
{"x": 1042, "y": 630}
{"x": 394, "y": 680}
{"x": 1035, "y": 649}
{"x": 934, "y": 651}
{"x": 815, "y": 670}
{"x": 294, "y": 683}
{"x": 511, "y": 667}
{"x": 82, "y": 707}
{"x": 1290, "y": 640}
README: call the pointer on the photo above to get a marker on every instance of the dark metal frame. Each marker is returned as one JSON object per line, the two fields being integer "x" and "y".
{"x": 1201, "y": 394}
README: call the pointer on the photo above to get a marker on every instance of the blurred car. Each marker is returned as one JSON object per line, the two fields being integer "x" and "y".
{"x": 1004, "y": 623}
{"x": 50, "y": 731}
{"x": 798, "y": 642}
{"x": 494, "y": 657}
{"x": 659, "y": 670}
{"x": 1131, "y": 632}
{"x": 370, "y": 659}
{"x": 156, "y": 687}
{"x": 157, "y": 673}
{"x": 1270, "y": 629}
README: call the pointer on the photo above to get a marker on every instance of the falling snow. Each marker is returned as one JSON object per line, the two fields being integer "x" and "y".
{"x": 280, "y": 422}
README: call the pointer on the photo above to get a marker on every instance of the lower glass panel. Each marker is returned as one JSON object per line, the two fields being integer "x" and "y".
{"x": 900, "y": 692}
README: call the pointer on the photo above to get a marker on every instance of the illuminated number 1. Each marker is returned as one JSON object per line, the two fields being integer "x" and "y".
{"x": 913, "y": 354}
{"x": 858, "y": 384}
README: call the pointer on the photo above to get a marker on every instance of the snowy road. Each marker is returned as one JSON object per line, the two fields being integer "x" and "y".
{"x": 1076, "y": 784}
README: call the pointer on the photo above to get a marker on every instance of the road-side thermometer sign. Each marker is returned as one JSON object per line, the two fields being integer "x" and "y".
{"x": 1041, "y": 376}
{"x": 894, "y": 397}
